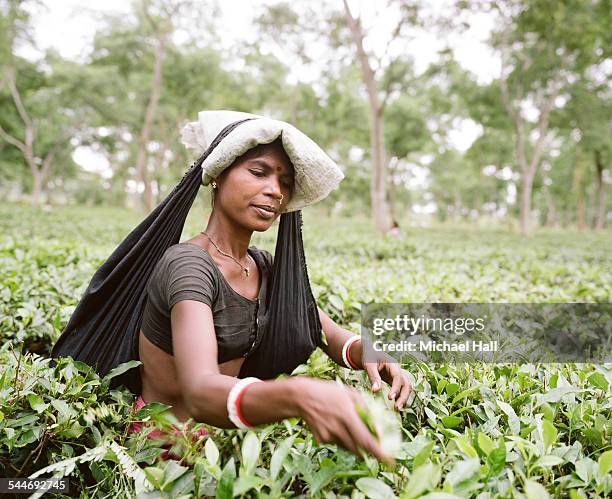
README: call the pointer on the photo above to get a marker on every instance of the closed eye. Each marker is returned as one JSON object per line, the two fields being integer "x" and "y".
{"x": 287, "y": 184}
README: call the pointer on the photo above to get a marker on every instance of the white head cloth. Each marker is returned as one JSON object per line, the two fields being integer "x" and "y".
{"x": 316, "y": 174}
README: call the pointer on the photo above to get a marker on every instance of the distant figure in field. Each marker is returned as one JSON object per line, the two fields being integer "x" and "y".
{"x": 395, "y": 231}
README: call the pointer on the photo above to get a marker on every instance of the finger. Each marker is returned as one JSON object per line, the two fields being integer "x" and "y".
{"x": 372, "y": 370}
{"x": 362, "y": 437}
{"x": 356, "y": 396}
{"x": 347, "y": 434}
{"x": 405, "y": 393}
{"x": 397, "y": 381}
{"x": 368, "y": 443}
{"x": 344, "y": 438}
{"x": 321, "y": 436}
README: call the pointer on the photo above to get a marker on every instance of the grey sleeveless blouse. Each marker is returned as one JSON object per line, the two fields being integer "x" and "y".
{"x": 187, "y": 272}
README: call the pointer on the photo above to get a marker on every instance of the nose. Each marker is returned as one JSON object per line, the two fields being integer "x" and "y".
{"x": 273, "y": 187}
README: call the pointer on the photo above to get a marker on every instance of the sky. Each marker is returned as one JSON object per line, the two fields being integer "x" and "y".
{"x": 69, "y": 25}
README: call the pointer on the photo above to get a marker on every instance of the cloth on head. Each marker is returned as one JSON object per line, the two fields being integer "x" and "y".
{"x": 316, "y": 174}
{"x": 104, "y": 328}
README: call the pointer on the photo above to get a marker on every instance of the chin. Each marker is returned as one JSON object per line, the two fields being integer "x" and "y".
{"x": 262, "y": 225}
{"x": 259, "y": 223}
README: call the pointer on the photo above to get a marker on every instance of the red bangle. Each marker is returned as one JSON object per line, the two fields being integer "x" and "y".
{"x": 233, "y": 402}
{"x": 348, "y": 355}
{"x": 238, "y": 397}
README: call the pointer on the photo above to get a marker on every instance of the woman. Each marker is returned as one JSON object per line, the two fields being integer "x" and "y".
{"x": 207, "y": 302}
{"x": 248, "y": 197}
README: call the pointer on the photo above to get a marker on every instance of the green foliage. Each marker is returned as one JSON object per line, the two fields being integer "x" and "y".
{"x": 63, "y": 421}
{"x": 501, "y": 430}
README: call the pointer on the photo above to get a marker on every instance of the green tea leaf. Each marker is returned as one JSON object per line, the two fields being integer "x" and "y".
{"x": 211, "y": 451}
{"x": 251, "y": 447}
{"x": 513, "y": 420}
{"x": 462, "y": 471}
{"x": 452, "y": 388}
{"x": 63, "y": 408}
{"x": 422, "y": 479}
{"x": 120, "y": 369}
{"x": 605, "y": 463}
{"x": 497, "y": 459}
{"x": 548, "y": 461}
{"x": 451, "y": 421}
{"x": 582, "y": 470}
{"x": 598, "y": 380}
{"x": 279, "y": 456}
{"x": 533, "y": 490}
{"x": 374, "y": 489}
{"x": 245, "y": 483}
{"x": 422, "y": 455}
{"x": 37, "y": 403}
{"x": 225, "y": 487}
{"x": 485, "y": 443}
{"x": 461, "y": 395}
{"x": 549, "y": 433}
{"x": 556, "y": 394}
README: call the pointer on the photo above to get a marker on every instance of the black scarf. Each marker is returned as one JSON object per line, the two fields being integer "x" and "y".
{"x": 104, "y": 328}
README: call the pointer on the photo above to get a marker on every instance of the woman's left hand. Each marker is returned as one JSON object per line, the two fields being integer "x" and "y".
{"x": 384, "y": 368}
{"x": 389, "y": 370}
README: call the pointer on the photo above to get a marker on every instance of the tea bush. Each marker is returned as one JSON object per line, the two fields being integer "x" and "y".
{"x": 471, "y": 430}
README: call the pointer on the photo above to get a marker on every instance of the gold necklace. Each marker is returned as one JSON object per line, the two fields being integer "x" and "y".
{"x": 247, "y": 269}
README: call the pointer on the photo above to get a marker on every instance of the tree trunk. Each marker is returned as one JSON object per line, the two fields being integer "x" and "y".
{"x": 580, "y": 224}
{"x": 379, "y": 182}
{"x": 143, "y": 139}
{"x": 457, "y": 206}
{"x": 478, "y": 202}
{"x": 601, "y": 193}
{"x": 36, "y": 187}
{"x": 528, "y": 166}
{"x": 159, "y": 167}
{"x": 39, "y": 175}
{"x": 379, "y": 177}
{"x": 525, "y": 210}
{"x": 551, "y": 211}
{"x": 49, "y": 194}
{"x": 391, "y": 201}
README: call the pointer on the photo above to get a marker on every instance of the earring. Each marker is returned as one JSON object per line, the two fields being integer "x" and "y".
{"x": 281, "y": 199}
{"x": 214, "y": 184}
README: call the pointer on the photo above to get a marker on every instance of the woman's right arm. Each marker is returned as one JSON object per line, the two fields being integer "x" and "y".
{"x": 327, "y": 407}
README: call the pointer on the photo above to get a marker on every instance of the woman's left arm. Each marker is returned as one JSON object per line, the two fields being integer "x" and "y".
{"x": 385, "y": 367}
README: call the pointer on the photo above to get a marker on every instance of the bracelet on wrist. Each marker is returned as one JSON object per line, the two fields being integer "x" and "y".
{"x": 233, "y": 402}
{"x": 346, "y": 357}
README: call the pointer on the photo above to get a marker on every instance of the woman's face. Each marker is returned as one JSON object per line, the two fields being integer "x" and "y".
{"x": 249, "y": 192}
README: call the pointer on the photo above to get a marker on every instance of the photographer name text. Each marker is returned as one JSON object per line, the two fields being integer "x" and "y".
{"x": 436, "y": 346}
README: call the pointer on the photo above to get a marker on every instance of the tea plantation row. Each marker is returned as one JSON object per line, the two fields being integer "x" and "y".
{"x": 472, "y": 430}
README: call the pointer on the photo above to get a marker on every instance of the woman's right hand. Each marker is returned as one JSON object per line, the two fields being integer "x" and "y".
{"x": 328, "y": 409}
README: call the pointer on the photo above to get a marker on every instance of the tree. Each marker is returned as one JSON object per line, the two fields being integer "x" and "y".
{"x": 344, "y": 32}
{"x": 586, "y": 122}
{"x": 543, "y": 49}
{"x": 39, "y": 121}
{"x": 379, "y": 86}
{"x": 159, "y": 18}
{"x": 141, "y": 97}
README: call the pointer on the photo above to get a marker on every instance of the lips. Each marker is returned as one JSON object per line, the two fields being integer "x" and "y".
{"x": 265, "y": 211}
{"x": 269, "y": 209}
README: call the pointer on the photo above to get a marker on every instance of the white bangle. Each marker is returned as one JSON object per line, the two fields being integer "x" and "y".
{"x": 347, "y": 345}
{"x": 233, "y": 402}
